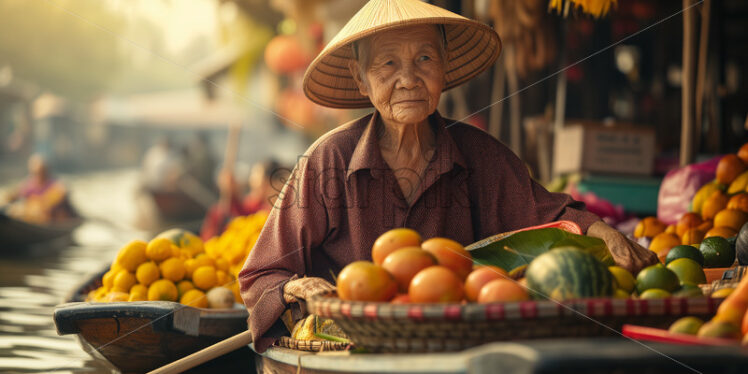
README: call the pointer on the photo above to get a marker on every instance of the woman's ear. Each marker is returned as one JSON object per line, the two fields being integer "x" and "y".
{"x": 356, "y": 73}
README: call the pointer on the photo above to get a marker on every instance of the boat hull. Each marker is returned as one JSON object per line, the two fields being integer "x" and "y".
{"x": 17, "y": 233}
{"x": 136, "y": 337}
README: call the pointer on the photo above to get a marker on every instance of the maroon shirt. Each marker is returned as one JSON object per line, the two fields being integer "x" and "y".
{"x": 342, "y": 195}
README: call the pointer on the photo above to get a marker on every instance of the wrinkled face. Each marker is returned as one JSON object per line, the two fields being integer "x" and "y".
{"x": 402, "y": 72}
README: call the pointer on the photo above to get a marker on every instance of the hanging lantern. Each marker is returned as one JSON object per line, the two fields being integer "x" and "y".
{"x": 285, "y": 54}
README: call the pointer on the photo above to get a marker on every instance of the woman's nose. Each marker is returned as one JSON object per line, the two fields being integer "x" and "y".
{"x": 407, "y": 78}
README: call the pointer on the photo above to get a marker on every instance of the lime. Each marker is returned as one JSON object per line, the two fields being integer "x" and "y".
{"x": 686, "y": 325}
{"x": 722, "y": 293}
{"x": 657, "y": 276}
{"x": 687, "y": 251}
{"x": 688, "y": 290}
{"x": 688, "y": 270}
{"x": 624, "y": 279}
{"x": 718, "y": 252}
{"x": 719, "y": 329}
{"x": 621, "y": 294}
{"x": 654, "y": 293}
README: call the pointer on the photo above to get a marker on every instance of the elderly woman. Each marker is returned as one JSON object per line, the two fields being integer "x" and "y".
{"x": 402, "y": 165}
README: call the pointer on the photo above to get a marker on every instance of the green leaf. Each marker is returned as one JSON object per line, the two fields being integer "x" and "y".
{"x": 521, "y": 248}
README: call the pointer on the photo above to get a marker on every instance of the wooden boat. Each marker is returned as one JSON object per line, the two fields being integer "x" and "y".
{"x": 177, "y": 206}
{"x": 136, "y": 337}
{"x": 587, "y": 355}
{"x": 162, "y": 210}
{"x": 18, "y": 233}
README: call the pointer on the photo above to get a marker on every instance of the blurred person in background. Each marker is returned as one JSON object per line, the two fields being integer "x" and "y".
{"x": 40, "y": 198}
{"x": 199, "y": 162}
{"x": 265, "y": 182}
{"x": 162, "y": 166}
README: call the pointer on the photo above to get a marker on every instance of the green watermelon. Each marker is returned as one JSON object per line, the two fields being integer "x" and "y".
{"x": 569, "y": 273}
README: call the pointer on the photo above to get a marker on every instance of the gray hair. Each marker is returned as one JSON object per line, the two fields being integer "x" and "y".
{"x": 361, "y": 56}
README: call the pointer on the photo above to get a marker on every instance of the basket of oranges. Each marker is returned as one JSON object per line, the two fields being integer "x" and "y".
{"x": 430, "y": 296}
{"x": 177, "y": 266}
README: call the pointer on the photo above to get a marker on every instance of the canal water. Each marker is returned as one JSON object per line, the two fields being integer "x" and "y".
{"x": 33, "y": 282}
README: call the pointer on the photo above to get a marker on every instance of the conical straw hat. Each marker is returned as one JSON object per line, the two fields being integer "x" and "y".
{"x": 471, "y": 48}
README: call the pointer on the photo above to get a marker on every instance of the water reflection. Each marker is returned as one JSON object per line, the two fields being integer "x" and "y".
{"x": 33, "y": 282}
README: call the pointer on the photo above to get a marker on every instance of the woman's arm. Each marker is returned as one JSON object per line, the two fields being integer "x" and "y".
{"x": 297, "y": 224}
{"x": 527, "y": 203}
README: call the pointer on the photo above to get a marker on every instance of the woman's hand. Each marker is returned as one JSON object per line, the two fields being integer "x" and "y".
{"x": 304, "y": 288}
{"x": 626, "y": 253}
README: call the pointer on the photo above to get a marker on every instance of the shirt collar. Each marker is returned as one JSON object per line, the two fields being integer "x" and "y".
{"x": 367, "y": 156}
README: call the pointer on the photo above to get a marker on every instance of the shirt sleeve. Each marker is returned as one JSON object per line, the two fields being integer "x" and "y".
{"x": 297, "y": 223}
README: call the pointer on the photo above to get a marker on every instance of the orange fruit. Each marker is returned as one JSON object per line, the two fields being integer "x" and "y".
{"x": 184, "y": 286}
{"x": 194, "y": 298}
{"x": 222, "y": 264}
{"x": 108, "y": 279}
{"x": 450, "y": 254}
{"x": 405, "y": 263}
{"x": 728, "y": 168}
{"x": 692, "y": 236}
{"x": 671, "y": 229}
{"x": 393, "y": 240}
{"x": 365, "y": 281}
{"x": 203, "y": 260}
{"x": 205, "y": 277}
{"x": 687, "y": 221}
{"x": 502, "y": 290}
{"x": 123, "y": 281}
{"x": 705, "y": 226}
{"x": 663, "y": 241}
{"x": 147, "y": 273}
{"x": 436, "y": 284}
{"x": 159, "y": 249}
{"x": 724, "y": 232}
{"x": 222, "y": 278}
{"x": 190, "y": 265}
{"x": 138, "y": 292}
{"x": 117, "y": 296}
{"x": 730, "y": 218}
{"x": 162, "y": 289}
{"x": 172, "y": 269}
{"x": 480, "y": 277}
{"x": 716, "y": 202}
{"x": 743, "y": 153}
{"x": 132, "y": 255}
{"x": 648, "y": 227}
{"x": 662, "y": 255}
{"x": 738, "y": 202}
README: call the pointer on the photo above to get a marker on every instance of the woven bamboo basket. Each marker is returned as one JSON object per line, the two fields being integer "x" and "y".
{"x": 311, "y": 345}
{"x": 385, "y": 327}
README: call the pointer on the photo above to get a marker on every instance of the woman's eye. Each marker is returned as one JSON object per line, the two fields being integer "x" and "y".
{"x": 389, "y": 62}
{"x": 425, "y": 58}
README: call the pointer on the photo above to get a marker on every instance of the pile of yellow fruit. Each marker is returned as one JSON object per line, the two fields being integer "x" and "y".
{"x": 177, "y": 266}
{"x": 719, "y": 208}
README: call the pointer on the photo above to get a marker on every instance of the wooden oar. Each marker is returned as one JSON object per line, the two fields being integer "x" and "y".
{"x": 206, "y": 354}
